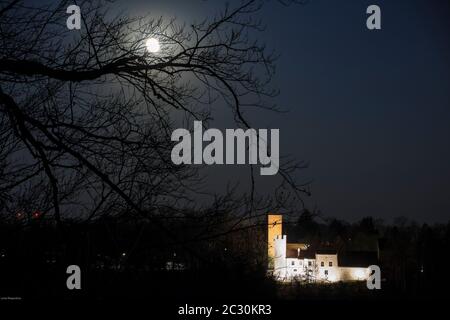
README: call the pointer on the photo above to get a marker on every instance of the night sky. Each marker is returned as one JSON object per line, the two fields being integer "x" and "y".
{"x": 369, "y": 110}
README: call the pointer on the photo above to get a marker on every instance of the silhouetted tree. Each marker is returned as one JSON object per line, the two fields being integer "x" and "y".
{"x": 86, "y": 116}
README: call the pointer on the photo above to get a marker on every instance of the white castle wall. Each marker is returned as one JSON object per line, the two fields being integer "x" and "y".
{"x": 327, "y": 267}
{"x": 353, "y": 274}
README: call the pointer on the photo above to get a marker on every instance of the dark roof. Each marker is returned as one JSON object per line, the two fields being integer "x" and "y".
{"x": 307, "y": 254}
{"x": 326, "y": 251}
{"x": 292, "y": 249}
{"x": 305, "y": 251}
{"x": 291, "y": 253}
{"x": 295, "y": 245}
{"x": 355, "y": 259}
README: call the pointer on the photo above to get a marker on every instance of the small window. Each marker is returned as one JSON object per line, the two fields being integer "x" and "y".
{"x": 309, "y": 263}
{"x": 295, "y": 270}
{"x": 301, "y": 262}
{"x": 322, "y": 264}
{"x": 326, "y": 272}
{"x": 330, "y": 263}
{"x": 293, "y": 263}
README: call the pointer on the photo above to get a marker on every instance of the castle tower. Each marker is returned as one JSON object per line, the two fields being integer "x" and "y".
{"x": 279, "y": 262}
{"x": 274, "y": 230}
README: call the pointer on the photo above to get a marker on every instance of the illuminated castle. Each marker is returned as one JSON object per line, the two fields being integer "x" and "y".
{"x": 297, "y": 261}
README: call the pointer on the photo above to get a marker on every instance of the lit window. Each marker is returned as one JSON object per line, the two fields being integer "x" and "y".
{"x": 322, "y": 264}
{"x": 330, "y": 263}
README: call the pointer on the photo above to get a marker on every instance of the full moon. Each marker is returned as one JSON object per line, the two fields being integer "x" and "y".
{"x": 152, "y": 45}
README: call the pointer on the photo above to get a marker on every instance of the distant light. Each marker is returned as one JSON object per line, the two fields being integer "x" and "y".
{"x": 36, "y": 214}
{"x": 123, "y": 254}
{"x": 152, "y": 45}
